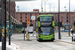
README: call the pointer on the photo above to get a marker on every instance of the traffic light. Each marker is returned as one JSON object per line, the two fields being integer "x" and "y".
{"x": 24, "y": 24}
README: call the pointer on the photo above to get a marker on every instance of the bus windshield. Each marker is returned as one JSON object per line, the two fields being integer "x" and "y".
{"x": 45, "y": 18}
{"x": 46, "y": 30}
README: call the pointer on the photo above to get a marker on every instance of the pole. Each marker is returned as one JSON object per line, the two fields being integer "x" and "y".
{"x": 2, "y": 19}
{"x": 33, "y": 27}
{"x": 72, "y": 37}
{"x": 2, "y": 23}
{"x": 9, "y": 22}
{"x": 69, "y": 17}
{"x": 45, "y": 6}
{"x": 5, "y": 28}
{"x": 50, "y": 8}
{"x": 4, "y": 37}
{"x": 41, "y": 7}
{"x": 54, "y": 9}
{"x": 59, "y": 19}
{"x": 24, "y": 33}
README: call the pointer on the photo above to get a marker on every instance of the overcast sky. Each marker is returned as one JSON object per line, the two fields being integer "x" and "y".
{"x": 30, "y": 5}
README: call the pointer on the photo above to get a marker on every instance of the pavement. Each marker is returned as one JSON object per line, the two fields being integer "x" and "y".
{"x": 10, "y": 47}
{"x": 64, "y": 38}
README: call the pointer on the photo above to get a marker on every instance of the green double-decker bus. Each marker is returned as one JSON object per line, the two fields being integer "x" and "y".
{"x": 45, "y": 28}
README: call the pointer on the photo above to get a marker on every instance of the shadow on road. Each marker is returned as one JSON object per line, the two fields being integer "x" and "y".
{"x": 46, "y": 41}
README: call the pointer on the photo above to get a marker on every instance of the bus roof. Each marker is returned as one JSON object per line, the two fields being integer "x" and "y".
{"x": 45, "y": 15}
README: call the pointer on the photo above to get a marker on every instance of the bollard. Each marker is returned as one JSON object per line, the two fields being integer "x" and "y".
{"x": 27, "y": 35}
{"x": 72, "y": 37}
{"x": 68, "y": 34}
{"x": 72, "y": 34}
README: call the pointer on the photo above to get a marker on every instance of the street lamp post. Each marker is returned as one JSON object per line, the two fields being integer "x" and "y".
{"x": 59, "y": 19}
{"x": 69, "y": 17}
{"x": 65, "y": 8}
{"x": 50, "y": 8}
{"x": 9, "y": 22}
{"x": 41, "y": 7}
{"x": 4, "y": 33}
{"x": 45, "y": 6}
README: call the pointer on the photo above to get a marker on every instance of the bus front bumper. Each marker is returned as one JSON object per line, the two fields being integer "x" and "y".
{"x": 47, "y": 39}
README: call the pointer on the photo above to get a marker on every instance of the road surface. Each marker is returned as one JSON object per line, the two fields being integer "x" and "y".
{"x": 33, "y": 44}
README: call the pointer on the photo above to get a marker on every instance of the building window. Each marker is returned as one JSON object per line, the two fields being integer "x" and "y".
{"x": 67, "y": 21}
{"x": 25, "y": 14}
{"x": 62, "y": 14}
{"x": 25, "y": 17}
{"x": 26, "y": 20}
{"x": 61, "y": 17}
{"x": 56, "y": 14}
{"x": 56, "y": 17}
{"x": 61, "y": 20}
{"x": 72, "y": 14}
{"x": 20, "y": 17}
{"x": 53, "y": 14}
{"x": 56, "y": 20}
{"x": 67, "y": 14}
{"x": 72, "y": 20}
{"x": 67, "y": 17}
{"x": 20, "y": 20}
{"x": 72, "y": 23}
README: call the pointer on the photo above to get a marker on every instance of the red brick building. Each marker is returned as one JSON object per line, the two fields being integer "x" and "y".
{"x": 64, "y": 16}
{"x": 13, "y": 10}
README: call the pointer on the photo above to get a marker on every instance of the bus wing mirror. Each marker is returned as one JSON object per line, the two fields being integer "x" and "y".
{"x": 38, "y": 18}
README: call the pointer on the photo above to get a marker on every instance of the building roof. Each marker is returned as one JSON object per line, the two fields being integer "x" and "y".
{"x": 27, "y": 12}
{"x": 43, "y": 12}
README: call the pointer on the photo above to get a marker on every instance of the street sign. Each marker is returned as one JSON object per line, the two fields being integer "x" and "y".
{"x": 32, "y": 17}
